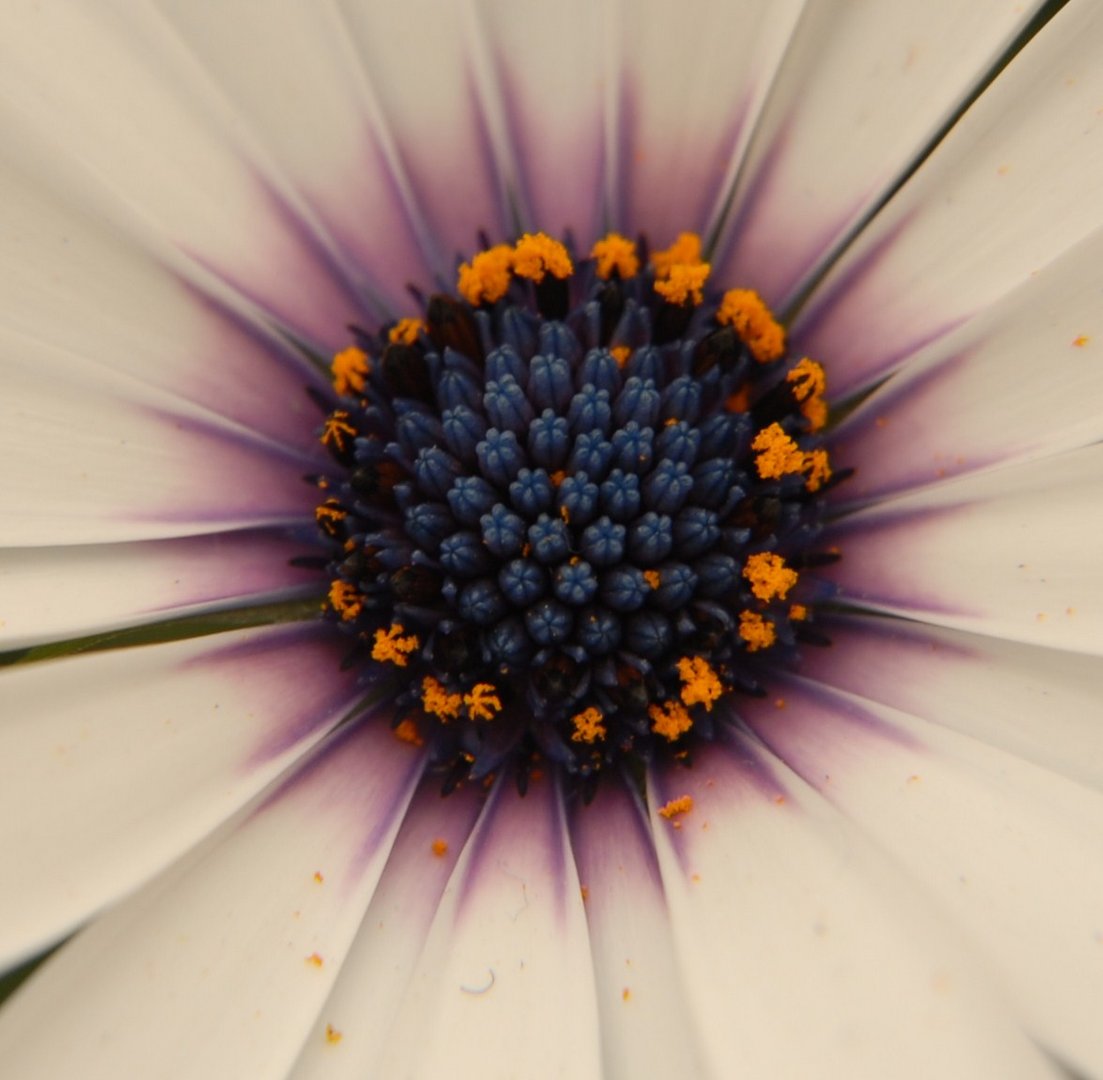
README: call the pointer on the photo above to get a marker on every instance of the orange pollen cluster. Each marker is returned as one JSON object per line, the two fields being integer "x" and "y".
{"x": 756, "y": 631}
{"x": 777, "y": 455}
{"x": 337, "y": 431}
{"x": 768, "y": 576}
{"x": 482, "y": 703}
{"x": 671, "y": 719}
{"x": 486, "y": 278}
{"x": 621, "y": 353}
{"x": 809, "y": 383}
{"x": 653, "y": 578}
{"x": 700, "y": 684}
{"x": 437, "y": 701}
{"x": 350, "y": 369}
{"x": 392, "y": 647}
{"x": 685, "y": 251}
{"x": 615, "y": 254}
{"x": 405, "y": 331}
{"x": 407, "y": 732}
{"x": 746, "y": 312}
{"x": 345, "y": 600}
{"x": 588, "y": 726}
{"x": 537, "y": 254}
{"x": 684, "y": 284}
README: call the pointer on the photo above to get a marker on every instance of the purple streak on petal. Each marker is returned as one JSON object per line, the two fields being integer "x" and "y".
{"x": 311, "y": 295}
{"x": 614, "y": 822}
{"x": 840, "y": 343}
{"x": 813, "y": 715}
{"x": 873, "y": 573}
{"x": 254, "y": 378}
{"x": 793, "y": 256}
{"x": 585, "y": 178}
{"x": 884, "y": 435}
{"x": 687, "y": 203}
{"x": 509, "y": 819}
{"x": 295, "y": 673}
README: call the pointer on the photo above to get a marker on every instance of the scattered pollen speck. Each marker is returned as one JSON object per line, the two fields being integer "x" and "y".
{"x": 681, "y": 805}
{"x": 779, "y": 703}
{"x": 439, "y": 847}
{"x": 585, "y": 892}
{"x": 625, "y": 994}
{"x": 779, "y": 799}
{"x": 914, "y": 778}
{"x": 318, "y": 877}
{"x": 1081, "y": 341}
{"x": 333, "y": 1036}
{"x": 315, "y": 960}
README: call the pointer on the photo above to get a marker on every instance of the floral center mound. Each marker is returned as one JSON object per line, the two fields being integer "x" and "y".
{"x": 571, "y": 506}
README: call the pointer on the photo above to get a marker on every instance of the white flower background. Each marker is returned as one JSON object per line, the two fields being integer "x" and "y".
{"x": 894, "y": 865}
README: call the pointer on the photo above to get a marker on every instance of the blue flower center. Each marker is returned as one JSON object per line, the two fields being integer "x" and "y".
{"x": 571, "y": 506}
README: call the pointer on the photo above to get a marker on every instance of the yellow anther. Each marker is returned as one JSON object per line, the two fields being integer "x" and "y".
{"x": 406, "y": 731}
{"x": 350, "y": 369}
{"x": 338, "y": 432}
{"x": 345, "y": 600}
{"x": 746, "y": 312}
{"x": 329, "y": 516}
{"x": 809, "y": 384}
{"x": 437, "y": 701}
{"x": 681, "y": 805}
{"x": 405, "y": 331}
{"x": 798, "y": 612}
{"x": 671, "y": 719}
{"x": 486, "y": 278}
{"x": 653, "y": 578}
{"x": 536, "y": 254}
{"x": 769, "y": 577}
{"x": 588, "y": 726}
{"x": 757, "y": 632}
{"x": 621, "y": 353}
{"x": 700, "y": 684}
{"x": 684, "y": 284}
{"x": 817, "y": 469}
{"x": 685, "y": 251}
{"x": 615, "y": 254}
{"x": 776, "y": 455}
{"x": 482, "y": 703}
{"x": 391, "y": 647}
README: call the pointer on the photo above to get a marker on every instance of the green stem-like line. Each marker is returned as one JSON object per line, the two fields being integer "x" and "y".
{"x": 187, "y": 626}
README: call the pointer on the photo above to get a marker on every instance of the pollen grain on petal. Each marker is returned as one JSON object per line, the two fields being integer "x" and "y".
{"x": 676, "y": 808}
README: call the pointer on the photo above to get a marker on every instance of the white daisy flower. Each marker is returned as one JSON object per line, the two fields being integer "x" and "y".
{"x": 615, "y": 700}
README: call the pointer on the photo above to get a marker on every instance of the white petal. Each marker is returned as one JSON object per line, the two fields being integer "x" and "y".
{"x": 127, "y": 125}
{"x": 1009, "y": 850}
{"x": 1011, "y": 553}
{"x": 1013, "y": 185}
{"x": 552, "y": 89}
{"x": 861, "y": 91}
{"x": 1038, "y": 704}
{"x": 504, "y": 984}
{"x": 47, "y": 594}
{"x": 71, "y": 281}
{"x": 290, "y": 73}
{"x": 646, "y": 1029}
{"x": 693, "y": 77}
{"x": 115, "y": 763}
{"x": 425, "y": 65}
{"x": 354, "y": 1024}
{"x": 87, "y": 456}
{"x": 1022, "y": 380}
{"x": 804, "y": 953}
{"x": 218, "y": 968}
